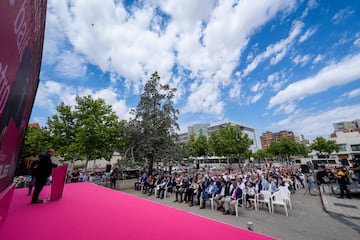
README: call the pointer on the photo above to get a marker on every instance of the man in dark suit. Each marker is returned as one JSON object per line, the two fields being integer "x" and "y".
{"x": 43, "y": 171}
{"x": 34, "y": 166}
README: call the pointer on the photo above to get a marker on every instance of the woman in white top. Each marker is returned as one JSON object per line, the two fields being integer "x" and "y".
{"x": 250, "y": 193}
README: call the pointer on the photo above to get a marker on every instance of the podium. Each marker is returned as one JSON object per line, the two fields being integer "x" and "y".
{"x": 58, "y": 181}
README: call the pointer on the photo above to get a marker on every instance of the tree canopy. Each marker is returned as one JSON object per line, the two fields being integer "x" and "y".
{"x": 90, "y": 130}
{"x": 197, "y": 147}
{"x": 37, "y": 140}
{"x": 152, "y": 131}
{"x": 230, "y": 142}
{"x": 286, "y": 148}
{"x": 323, "y": 146}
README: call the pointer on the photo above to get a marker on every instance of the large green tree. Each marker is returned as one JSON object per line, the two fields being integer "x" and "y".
{"x": 285, "y": 148}
{"x": 324, "y": 147}
{"x": 261, "y": 155}
{"x": 152, "y": 131}
{"x": 37, "y": 140}
{"x": 230, "y": 141}
{"x": 91, "y": 130}
{"x": 198, "y": 146}
{"x": 62, "y": 128}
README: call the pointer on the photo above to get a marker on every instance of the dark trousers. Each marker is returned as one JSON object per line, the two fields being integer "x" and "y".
{"x": 113, "y": 183}
{"x": 39, "y": 184}
{"x": 31, "y": 184}
{"x": 179, "y": 193}
{"x": 189, "y": 195}
{"x": 343, "y": 189}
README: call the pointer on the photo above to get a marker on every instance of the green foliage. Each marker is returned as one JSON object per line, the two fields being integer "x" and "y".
{"x": 36, "y": 141}
{"x": 323, "y": 146}
{"x": 262, "y": 154}
{"x": 151, "y": 133}
{"x": 198, "y": 147}
{"x": 230, "y": 142}
{"x": 91, "y": 131}
{"x": 285, "y": 148}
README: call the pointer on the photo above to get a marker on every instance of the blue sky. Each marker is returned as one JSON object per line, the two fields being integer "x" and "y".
{"x": 270, "y": 64}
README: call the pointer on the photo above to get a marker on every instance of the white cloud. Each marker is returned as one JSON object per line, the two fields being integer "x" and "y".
{"x": 275, "y": 81}
{"x": 342, "y": 14}
{"x": 277, "y": 51}
{"x": 256, "y": 87}
{"x": 318, "y": 58}
{"x": 285, "y": 108}
{"x": 334, "y": 75}
{"x": 311, "y": 4}
{"x": 235, "y": 90}
{"x": 133, "y": 44}
{"x": 51, "y": 92}
{"x": 320, "y": 123}
{"x": 257, "y": 97}
{"x": 352, "y": 94}
{"x": 111, "y": 98}
{"x": 357, "y": 42}
{"x": 70, "y": 65}
{"x": 205, "y": 99}
{"x": 302, "y": 60}
{"x": 307, "y": 34}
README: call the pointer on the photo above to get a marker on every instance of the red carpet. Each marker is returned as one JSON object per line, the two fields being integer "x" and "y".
{"x": 90, "y": 212}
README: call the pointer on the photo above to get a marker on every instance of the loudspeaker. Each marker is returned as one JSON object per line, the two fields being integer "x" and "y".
{"x": 108, "y": 168}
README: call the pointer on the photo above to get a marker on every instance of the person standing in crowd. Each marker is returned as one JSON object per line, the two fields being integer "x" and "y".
{"x": 44, "y": 170}
{"x": 343, "y": 181}
{"x": 114, "y": 175}
{"x": 356, "y": 169}
{"x": 34, "y": 166}
{"x": 75, "y": 176}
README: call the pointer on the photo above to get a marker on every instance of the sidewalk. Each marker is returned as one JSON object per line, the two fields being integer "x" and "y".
{"x": 345, "y": 207}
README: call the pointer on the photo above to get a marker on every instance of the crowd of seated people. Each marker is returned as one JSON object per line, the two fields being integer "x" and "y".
{"x": 226, "y": 189}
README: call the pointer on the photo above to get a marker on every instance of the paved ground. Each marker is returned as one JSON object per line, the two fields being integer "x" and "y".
{"x": 349, "y": 208}
{"x": 307, "y": 220}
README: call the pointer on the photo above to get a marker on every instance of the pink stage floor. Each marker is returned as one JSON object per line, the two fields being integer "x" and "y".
{"x": 91, "y": 212}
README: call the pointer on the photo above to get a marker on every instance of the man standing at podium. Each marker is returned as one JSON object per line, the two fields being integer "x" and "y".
{"x": 43, "y": 171}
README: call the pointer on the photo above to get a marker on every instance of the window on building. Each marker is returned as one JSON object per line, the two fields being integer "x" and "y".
{"x": 355, "y": 147}
{"x": 342, "y": 147}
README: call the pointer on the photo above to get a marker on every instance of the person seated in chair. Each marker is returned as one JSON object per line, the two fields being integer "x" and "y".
{"x": 156, "y": 182}
{"x": 191, "y": 192}
{"x": 221, "y": 194}
{"x": 179, "y": 191}
{"x": 165, "y": 184}
{"x": 148, "y": 184}
{"x": 250, "y": 194}
{"x": 209, "y": 192}
{"x": 231, "y": 199}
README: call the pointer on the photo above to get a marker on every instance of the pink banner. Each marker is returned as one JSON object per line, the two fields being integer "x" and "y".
{"x": 58, "y": 181}
{"x": 22, "y": 25}
{"x": 5, "y": 199}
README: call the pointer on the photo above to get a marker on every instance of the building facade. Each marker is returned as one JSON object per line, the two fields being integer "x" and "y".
{"x": 349, "y": 126}
{"x": 268, "y": 137}
{"x": 206, "y": 129}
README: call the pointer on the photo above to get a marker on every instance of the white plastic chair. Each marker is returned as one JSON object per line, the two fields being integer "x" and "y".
{"x": 266, "y": 200}
{"x": 212, "y": 201}
{"x": 287, "y": 195}
{"x": 243, "y": 197}
{"x": 237, "y": 207}
{"x": 277, "y": 198}
{"x": 254, "y": 201}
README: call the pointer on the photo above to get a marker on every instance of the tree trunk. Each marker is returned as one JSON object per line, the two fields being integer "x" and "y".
{"x": 86, "y": 163}
{"x": 151, "y": 163}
